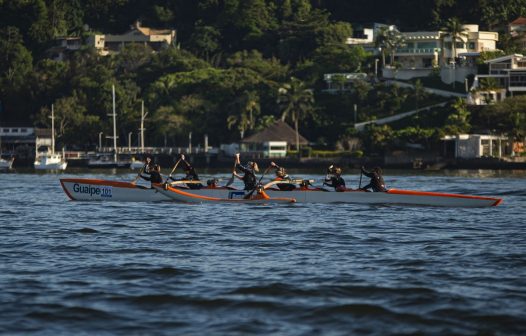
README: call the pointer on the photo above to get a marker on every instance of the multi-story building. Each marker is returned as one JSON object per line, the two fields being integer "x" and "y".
{"x": 425, "y": 50}
{"x": 154, "y": 38}
{"x": 506, "y": 76}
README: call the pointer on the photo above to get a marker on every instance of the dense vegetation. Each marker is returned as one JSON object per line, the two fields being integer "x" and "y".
{"x": 234, "y": 68}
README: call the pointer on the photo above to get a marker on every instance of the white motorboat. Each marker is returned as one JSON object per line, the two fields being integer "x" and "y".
{"x": 136, "y": 164}
{"x": 50, "y": 161}
{"x": 6, "y": 164}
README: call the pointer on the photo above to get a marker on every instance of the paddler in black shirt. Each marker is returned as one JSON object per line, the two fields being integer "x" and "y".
{"x": 249, "y": 173}
{"x": 190, "y": 174}
{"x": 334, "y": 179}
{"x": 377, "y": 181}
{"x": 154, "y": 175}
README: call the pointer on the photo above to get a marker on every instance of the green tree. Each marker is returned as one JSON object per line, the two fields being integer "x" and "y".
{"x": 454, "y": 31}
{"x": 245, "y": 110}
{"x": 507, "y": 117}
{"x": 388, "y": 39}
{"x": 296, "y": 101}
{"x": 73, "y": 125}
{"x": 419, "y": 92}
{"x": 458, "y": 122}
{"x": 205, "y": 41}
{"x": 16, "y": 60}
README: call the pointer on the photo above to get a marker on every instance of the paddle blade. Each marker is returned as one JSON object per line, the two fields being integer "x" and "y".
{"x": 230, "y": 181}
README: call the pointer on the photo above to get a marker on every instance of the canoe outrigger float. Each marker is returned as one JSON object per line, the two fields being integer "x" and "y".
{"x": 258, "y": 196}
{"x": 103, "y": 190}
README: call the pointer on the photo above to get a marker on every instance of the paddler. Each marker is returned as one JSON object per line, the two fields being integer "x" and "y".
{"x": 377, "y": 181}
{"x": 281, "y": 174}
{"x": 190, "y": 174}
{"x": 334, "y": 178}
{"x": 154, "y": 175}
{"x": 249, "y": 173}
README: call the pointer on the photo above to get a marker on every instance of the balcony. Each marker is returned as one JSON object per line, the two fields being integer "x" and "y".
{"x": 418, "y": 51}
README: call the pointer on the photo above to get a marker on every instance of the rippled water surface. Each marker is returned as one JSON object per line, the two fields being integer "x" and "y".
{"x": 81, "y": 268}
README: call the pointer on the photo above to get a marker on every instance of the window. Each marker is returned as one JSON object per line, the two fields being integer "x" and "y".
{"x": 23, "y": 130}
{"x": 471, "y": 45}
{"x": 459, "y": 45}
{"x": 6, "y": 130}
{"x": 427, "y": 45}
{"x": 14, "y": 130}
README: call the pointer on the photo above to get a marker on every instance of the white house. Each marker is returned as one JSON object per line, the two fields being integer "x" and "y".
{"x": 155, "y": 38}
{"x": 471, "y": 146}
{"x": 507, "y": 75}
{"x": 425, "y": 50}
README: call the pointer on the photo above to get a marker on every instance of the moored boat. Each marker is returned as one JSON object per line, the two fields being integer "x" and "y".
{"x": 50, "y": 160}
{"x": 6, "y": 164}
{"x": 81, "y": 189}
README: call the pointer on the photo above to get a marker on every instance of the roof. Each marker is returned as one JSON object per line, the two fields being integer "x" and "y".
{"x": 519, "y": 21}
{"x": 278, "y": 131}
{"x": 150, "y": 31}
{"x": 503, "y": 58}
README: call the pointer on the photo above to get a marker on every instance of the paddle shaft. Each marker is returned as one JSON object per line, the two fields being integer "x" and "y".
{"x": 257, "y": 184}
{"x": 360, "y": 184}
{"x": 138, "y": 175}
{"x": 175, "y": 167}
{"x": 229, "y": 182}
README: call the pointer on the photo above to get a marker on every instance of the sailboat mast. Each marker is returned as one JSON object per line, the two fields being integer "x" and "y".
{"x": 143, "y": 116}
{"x": 52, "y": 129}
{"x": 114, "y": 114}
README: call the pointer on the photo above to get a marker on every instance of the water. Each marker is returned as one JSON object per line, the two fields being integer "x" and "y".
{"x": 164, "y": 269}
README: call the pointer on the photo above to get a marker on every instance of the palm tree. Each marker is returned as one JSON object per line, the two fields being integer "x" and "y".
{"x": 246, "y": 108}
{"x": 389, "y": 40}
{"x": 297, "y": 101}
{"x": 379, "y": 42}
{"x": 455, "y": 31}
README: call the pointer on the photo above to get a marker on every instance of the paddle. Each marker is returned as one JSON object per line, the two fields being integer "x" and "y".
{"x": 232, "y": 178}
{"x": 247, "y": 196}
{"x": 360, "y": 184}
{"x": 141, "y": 171}
{"x": 176, "y": 164}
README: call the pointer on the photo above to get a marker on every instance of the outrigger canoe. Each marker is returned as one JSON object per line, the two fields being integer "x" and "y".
{"x": 104, "y": 190}
{"x": 309, "y": 194}
{"x": 181, "y": 195}
{"x": 80, "y": 189}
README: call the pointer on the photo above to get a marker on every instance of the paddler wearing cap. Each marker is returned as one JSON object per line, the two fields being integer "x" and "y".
{"x": 281, "y": 175}
{"x": 334, "y": 178}
{"x": 249, "y": 173}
